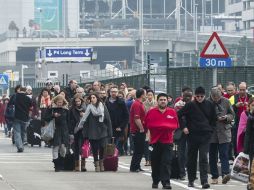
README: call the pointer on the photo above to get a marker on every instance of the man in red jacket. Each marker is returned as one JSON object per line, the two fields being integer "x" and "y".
{"x": 161, "y": 121}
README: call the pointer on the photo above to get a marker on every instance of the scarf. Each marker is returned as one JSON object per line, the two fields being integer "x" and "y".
{"x": 45, "y": 102}
{"x": 96, "y": 111}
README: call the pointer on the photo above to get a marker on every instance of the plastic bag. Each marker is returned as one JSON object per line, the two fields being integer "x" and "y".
{"x": 240, "y": 168}
{"x": 47, "y": 132}
{"x": 86, "y": 149}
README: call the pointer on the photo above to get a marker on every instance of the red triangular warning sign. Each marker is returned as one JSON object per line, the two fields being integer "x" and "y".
{"x": 214, "y": 48}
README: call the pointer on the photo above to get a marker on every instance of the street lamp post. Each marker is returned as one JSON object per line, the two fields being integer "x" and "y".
{"x": 196, "y": 27}
{"x": 40, "y": 49}
{"x": 22, "y": 73}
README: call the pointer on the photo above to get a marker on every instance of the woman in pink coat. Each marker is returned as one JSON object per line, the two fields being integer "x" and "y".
{"x": 242, "y": 126}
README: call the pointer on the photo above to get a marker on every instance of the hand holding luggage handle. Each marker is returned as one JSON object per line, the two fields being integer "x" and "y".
{"x": 110, "y": 148}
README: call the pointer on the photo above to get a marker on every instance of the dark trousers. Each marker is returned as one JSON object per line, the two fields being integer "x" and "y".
{"x": 147, "y": 152}
{"x": 234, "y": 138}
{"x": 194, "y": 147}
{"x": 182, "y": 154}
{"x": 139, "y": 142}
{"x": 97, "y": 149}
{"x": 222, "y": 149}
{"x": 78, "y": 142}
{"x": 161, "y": 158}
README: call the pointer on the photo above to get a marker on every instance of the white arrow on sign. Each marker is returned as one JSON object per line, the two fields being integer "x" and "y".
{"x": 50, "y": 53}
{"x": 87, "y": 53}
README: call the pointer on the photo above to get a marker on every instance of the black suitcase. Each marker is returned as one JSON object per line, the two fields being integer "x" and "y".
{"x": 69, "y": 159}
{"x": 34, "y": 133}
{"x": 175, "y": 169}
{"x": 69, "y": 162}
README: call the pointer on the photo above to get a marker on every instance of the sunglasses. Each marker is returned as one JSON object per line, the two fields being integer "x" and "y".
{"x": 200, "y": 96}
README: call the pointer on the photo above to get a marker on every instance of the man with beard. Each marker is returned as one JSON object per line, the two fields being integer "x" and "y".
{"x": 161, "y": 122}
{"x": 119, "y": 117}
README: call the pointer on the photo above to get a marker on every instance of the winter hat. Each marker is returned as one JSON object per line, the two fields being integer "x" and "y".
{"x": 199, "y": 90}
{"x": 28, "y": 87}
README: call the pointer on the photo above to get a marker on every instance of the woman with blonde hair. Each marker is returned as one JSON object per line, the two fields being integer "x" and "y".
{"x": 60, "y": 113}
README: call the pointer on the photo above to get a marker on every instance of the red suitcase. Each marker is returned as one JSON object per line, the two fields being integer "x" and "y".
{"x": 111, "y": 162}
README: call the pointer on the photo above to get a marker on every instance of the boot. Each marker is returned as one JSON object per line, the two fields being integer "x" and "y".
{"x": 83, "y": 165}
{"x": 97, "y": 166}
{"x": 76, "y": 166}
{"x": 56, "y": 165}
{"x": 61, "y": 162}
{"x": 101, "y": 166}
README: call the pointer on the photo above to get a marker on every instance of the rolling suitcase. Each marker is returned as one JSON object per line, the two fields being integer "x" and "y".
{"x": 175, "y": 169}
{"x": 111, "y": 162}
{"x": 34, "y": 133}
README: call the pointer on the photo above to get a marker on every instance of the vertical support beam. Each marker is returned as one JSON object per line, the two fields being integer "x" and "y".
{"x": 178, "y": 15}
{"x": 167, "y": 72}
{"x": 123, "y": 9}
{"x": 148, "y": 69}
{"x": 185, "y": 15}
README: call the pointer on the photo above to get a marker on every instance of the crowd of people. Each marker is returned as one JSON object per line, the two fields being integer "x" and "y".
{"x": 142, "y": 124}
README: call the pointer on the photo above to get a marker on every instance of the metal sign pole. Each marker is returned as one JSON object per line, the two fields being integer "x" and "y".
{"x": 215, "y": 76}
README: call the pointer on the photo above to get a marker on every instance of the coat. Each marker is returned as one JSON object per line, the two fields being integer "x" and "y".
{"x": 200, "y": 119}
{"x": 222, "y": 131}
{"x": 119, "y": 116}
{"x": 95, "y": 130}
{"x": 61, "y": 135}
{"x": 249, "y": 137}
{"x": 75, "y": 117}
{"x": 241, "y": 131}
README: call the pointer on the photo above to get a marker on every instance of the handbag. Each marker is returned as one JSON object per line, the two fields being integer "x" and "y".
{"x": 48, "y": 131}
{"x": 86, "y": 149}
{"x": 109, "y": 149}
{"x": 10, "y": 110}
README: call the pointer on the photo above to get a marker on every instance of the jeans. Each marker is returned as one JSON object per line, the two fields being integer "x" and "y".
{"x": 222, "y": 149}
{"x": 19, "y": 133}
{"x": 139, "y": 142}
{"x": 194, "y": 147}
{"x": 119, "y": 145}
{"x": 161, "y": 158}
{"x": 97, "y": 149}
{"x": 182, "y": 154}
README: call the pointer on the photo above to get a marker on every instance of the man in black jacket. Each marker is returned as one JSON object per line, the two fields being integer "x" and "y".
{"x": 23, "y": 105}
{"x": 119, "y": 117}
{"x": 71, "y": 90}
{"x": 200, "y": 118}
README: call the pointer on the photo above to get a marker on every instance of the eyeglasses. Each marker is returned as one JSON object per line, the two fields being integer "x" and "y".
{"x": 200, "y": 96}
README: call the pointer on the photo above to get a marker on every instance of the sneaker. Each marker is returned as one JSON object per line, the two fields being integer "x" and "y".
{"x": 20, "y": 150}
{"x": 214, "y": 181}
{"x": 154, "y": 186}
{"x": 191, "y": 184}
{"x": 225, "y": 179}
{"x": 205, "y": 186}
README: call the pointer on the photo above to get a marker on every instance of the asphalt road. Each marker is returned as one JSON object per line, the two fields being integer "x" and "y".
{"x": 33, "y": 170}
